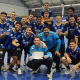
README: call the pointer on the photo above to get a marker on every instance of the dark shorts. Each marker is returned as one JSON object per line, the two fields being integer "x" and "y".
{"x": 74, "y": 61}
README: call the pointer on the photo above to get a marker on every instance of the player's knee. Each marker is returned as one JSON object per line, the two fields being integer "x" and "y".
{"x": 63, "y": 59}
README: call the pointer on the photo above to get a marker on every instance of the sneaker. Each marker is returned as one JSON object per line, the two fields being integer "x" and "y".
{"x": 77, "y": 70}
{"x": 35, "y": 71}
{"x": 54, "y": 65}
{"x": 24, "y": 62}
{"x": 58, "y": 70}
{"x": 51, "y": 73}
{"x": 19, "y": 71}
{"x": 62, "y": 66}
{"x": 7, "y": 66}
{"x": 67, "y": 71}
{"x": 13, "y": 71}
{"x": 28, "y": 68}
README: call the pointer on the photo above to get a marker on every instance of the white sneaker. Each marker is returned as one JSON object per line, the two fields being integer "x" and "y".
{"x": 62, "y": 66}
{"x": 34, "y": 72}
{"x": 19, "y": 71}
{"x": 24, "y": 62}
{"x": 77, "y": 70}
{"x": 28, "y": 68}
{"x": 67, "y": 71}
{"x": 54, "y": 65}
{"x": 7, "y": 66}
{"x": 51, "y": 73}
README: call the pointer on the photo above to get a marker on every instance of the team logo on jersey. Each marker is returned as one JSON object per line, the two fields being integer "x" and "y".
{"x": 51, "y": 34}
{"x": 32, "y": 48}
{"x": 51, "y": 39}
{"x": 11, "y": 34}
{"x": 43, "y": 39}
{"x": 41, "y": 35}
{"x": 55, "y": 27}
{"x": 78, "y": 30}
{"x": 33, "y": 23}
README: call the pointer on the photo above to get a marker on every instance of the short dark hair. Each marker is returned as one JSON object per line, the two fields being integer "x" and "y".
{"x": 31, "y": 14}
{"x": 72, "y": 40}
{"x": 78, "y": 16}
{"x": 39, "y": 16}
{"x": 71, "y": 9}
{"x": 46, "y": 26}
{"x": 4, "y": 13}
{"x": 71, "y": 16}
{"x": 29, "y": 27}
{"x": 46, "y": 11}
{"x": 36, "y": 37}
{"x": 19, "y": 23}
{"x": 46, "y": 3}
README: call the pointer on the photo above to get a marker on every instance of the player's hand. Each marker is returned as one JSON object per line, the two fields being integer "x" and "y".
{"x": 45, "y": 57}
{"x": 67, "y": 23}
{"x": 57, "y": 32}
{"x": 57, "y": 53}
{"x": 33, "y": 10}
{"x": 69, "y": 60}
{"x": 44, "y": 45}
{"x": 61, "y": 33}
{"x": 74, "y": 67}
{"x": 30, "y": 58}
{"x": 49, "y": 22}
{"x": 32, "y": 33}
{"x": 5, "y": 33}
{"x": 17, "y": 44}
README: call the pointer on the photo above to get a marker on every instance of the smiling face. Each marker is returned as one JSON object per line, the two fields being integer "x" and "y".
{"x": 46, "y": 31}
{"x": 46, "y": 6}
{"x": 71, "y": 20}
{"x": 13, "y": 15}
{"x": 3, "y": 17}
{"x": 58, "y": 19}
{"x": 17, "y": 27}
{"x": 24, "y": 20}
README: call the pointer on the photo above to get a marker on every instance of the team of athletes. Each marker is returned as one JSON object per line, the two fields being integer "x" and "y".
{"x": 40, "y": 35}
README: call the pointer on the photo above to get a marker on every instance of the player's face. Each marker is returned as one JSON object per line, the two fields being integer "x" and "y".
{"x": 46, "y": 6}
{"x": 39, "y": 20}
{"x": 3, "y": 17}
{"x": 24, "y": 20}
{"x": 37, "y": 41}
{"x": 58, "y": 19}
{"x": 28, "y": 31}
{"x": 31, "y": 17}
{"x": 72, "y": 45}
{"x": 78, "y": 20}
{"x": 72, "y": 20}
{"x": 70, "y": 12}
{"x": 46, "y": 14}
{"x": 13, "y": 16}
{"x": 17, "y": 27}
{"x": 46, "y": 31}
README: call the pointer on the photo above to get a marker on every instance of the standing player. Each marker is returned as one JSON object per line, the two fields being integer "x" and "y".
{"x": 46, "y": 20}
{"x": 23, "y": 21}
{"x": 46, "y": 7}
{"x": 53, "y": 43}
{"x": 72, "y": 56}
{"x": 70, "y": 28}
{"x": 77, "y": 33}
{"x": 11, "y": 21}
{"x": 60, "y": 30}
{"x": 8, "y": 36}
{"x": 38, "y": 27}
{"x": 71, "y": 12}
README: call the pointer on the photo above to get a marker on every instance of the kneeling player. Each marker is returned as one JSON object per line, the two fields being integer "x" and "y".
{"x": 72, "y": 56}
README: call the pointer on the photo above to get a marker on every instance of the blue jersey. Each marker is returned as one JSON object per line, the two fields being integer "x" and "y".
{"x": 73, "y": 54}
{"x": 71, "y": 31}
{"x": 75, "y": 15}
{"x": 37, "y": 28}
{"x": 40, "y": 49}
{"x": 25, "y": 41}
{"x": 50, "y": 25}
{"x": 30, "y": 24}
{"x": 59, "y": 28}
{"x": 10, "y": 23}
{"x": 22, "y": 30}
{"x": 50, "y": 13}
{"x": 51, "y": 41}
{"x": 9, "y": 38}
{"x": 77, "y": 34}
